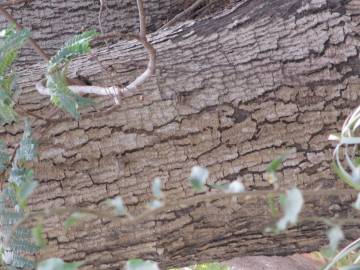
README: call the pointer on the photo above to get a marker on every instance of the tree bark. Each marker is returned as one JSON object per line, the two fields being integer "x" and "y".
{"x": 231, "y": 92}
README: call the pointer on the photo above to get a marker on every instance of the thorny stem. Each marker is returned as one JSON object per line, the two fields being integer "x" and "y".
{"x": 171, "y": 204}
{"x": 32, "y": 42}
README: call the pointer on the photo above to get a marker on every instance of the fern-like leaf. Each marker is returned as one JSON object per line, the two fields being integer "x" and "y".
{"x": 16, "y": 241}
{"x": 76, "y": 46}
{"x": 4, "y": 157}
{"x": 62, "y": 96}
{"x": 10, "y": 43}
{"x": 27, "y": 150}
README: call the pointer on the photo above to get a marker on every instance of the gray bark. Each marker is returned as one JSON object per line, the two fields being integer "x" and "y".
{"x": 231, "y": 92}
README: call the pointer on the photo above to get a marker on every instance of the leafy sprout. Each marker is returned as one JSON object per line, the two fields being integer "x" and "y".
{"x": 10, "y": 43}
{"x": 291, "y": 205}
{"x": 198, "y": 177}
{"x": 57, "y": 83}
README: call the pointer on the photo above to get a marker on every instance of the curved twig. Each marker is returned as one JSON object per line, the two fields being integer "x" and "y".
{"x": 114, "y": 90}
{"x": 81, "y": 89}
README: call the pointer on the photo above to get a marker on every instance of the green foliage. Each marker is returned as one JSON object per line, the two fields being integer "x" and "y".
{"x": 335, "y": 235}
{"x": 210, "y": 266}
{"x": 118, "y": 205}
{"x": 57, "y": 264}
{"x": 198, "y": 178}
{"x": 291, "y": 204}
{"x": 24, "y": 190}
{"x": 351, "y": 267}
{"x": 38, "y": 235}
{"x": 233, "y": 187}
{"x": 272, "y": 206}
{"x": 4, "y": 157}
{"x": 17, "y": 240}
{"x": 19, "y": 244}
{"x": 21, "y": 175}
{"x": 275, "y": 164}
{"x": 11, "y": 41}
{"x": 207, "y": 266}
{"x": 61, "y": 95}
{"x": 28, "y": 146}
{"x": 156, "y": 188}
{"x": 138, "y": 264}
{"x": 73, "y": 219}
{"x": 157, "y": 193}
{"x": 356, "y": 204}
{"x": 76, "y": 46}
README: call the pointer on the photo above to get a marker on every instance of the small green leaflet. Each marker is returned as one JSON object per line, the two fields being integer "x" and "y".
{"x": 156, "y": 204}
{"x": 73, "y": 219}
{"x": 335, "y": 235}
{"x": 57, "y": 264}
{"x": 198, "y": 177}
{"x": 118, "y": 204}
{"x": 344, "y": 178}
{"x": 356, "y": 204}
{"x": 62, "y": 96}
{"x": 10, "y": 43}
{"x": 351, "y": 267}
{"x": 74, "y": 47}
{"x": 138, "y": 264}
{"x": 291, "y": 204}
{"x": 19, "y": 175}
{"x": 24, "y": 190}
{"x": 275, "y": 164}
{"x": 272, "y": 205}
{"x": 38, "y": 235}
{"x": 28, "y": 146}
{"x": 13, "y": 40}
{"x": 4, "y": 157}
{"x": 234, "y": 187}
{"x": 156, "y": 188}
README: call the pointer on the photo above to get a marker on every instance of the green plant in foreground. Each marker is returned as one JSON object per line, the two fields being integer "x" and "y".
{"x": 19, "y": 244}
{"x": 10, "y": 43}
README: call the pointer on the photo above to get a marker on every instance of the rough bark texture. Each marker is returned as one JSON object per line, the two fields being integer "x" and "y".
{"x": 55, "y": 21}
{"x": 231, "y": 93}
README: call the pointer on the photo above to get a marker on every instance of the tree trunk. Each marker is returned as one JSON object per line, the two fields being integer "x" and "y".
{"x": 231, "y": 93}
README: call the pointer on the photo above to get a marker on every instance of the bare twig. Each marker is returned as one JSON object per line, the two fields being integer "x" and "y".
{"x": 102, "y": 4}
{"x": 183, "y": 14}
{"x": 142, "y": 19}
{"x": 32, "y": 42}
{"x": 114, "y": 90}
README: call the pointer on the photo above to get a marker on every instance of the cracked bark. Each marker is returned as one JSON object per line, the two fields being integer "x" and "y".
{"x": 232, "y": 92}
